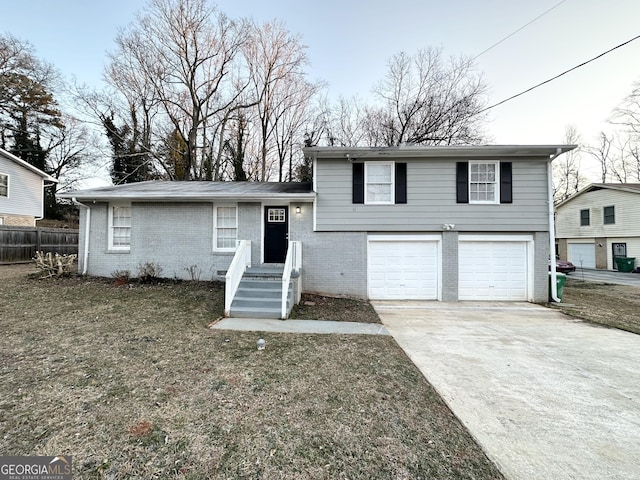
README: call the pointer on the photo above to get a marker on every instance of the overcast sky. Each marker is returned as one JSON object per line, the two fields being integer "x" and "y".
{"x": 349, "y": 43}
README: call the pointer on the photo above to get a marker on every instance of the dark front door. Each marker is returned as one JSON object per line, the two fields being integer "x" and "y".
{"x": 618, "y": 250}
{"x": 276, "y": 234}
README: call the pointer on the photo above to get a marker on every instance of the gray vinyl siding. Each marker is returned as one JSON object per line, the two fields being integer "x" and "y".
{"x": 25, "y": 190}
{"x": 431, "y": 200}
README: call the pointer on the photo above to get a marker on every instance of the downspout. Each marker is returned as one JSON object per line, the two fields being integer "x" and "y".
{"x": 44, "y": 185}
{"x": 87, "y": 224}
{"x": 552, "y": 229}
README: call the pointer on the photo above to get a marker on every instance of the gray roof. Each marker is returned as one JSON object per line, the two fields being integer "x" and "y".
{"x": 165, "y": 191}
{"x": 462, "y": 151}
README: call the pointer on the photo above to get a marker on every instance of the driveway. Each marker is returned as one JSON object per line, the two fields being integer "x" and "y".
{"x": 545, "y": 395}
{"x": 606, "y": 276}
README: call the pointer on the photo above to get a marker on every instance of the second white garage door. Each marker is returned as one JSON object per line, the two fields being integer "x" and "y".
{"x": 493, "y": 270}
{"x": 403, "y": 269}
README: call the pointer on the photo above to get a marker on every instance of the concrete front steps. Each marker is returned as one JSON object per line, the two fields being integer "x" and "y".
{"x": 259, "y": 294}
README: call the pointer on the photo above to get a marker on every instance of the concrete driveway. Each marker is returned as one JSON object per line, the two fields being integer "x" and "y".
{"x": 546, "y": 396}
{"x": 606, "y": 276}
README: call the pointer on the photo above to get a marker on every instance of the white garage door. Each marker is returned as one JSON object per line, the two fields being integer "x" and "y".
{"x": 403, "y": 270}
{"x": 489, "y": 270}
{"x": 582, "y": 254}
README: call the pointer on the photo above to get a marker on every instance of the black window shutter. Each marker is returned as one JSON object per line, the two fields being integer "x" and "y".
{"x": 401, "y": 183}
{"x": 506, "y": 190}
{"x": 358, "y": 183}
{"x": 462, "y": 182}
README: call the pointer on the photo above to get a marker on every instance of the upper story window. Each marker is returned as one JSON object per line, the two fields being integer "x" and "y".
{"x": 119, "y": 227}
{"x": 584, "y": 218}
{"x": 484, "y": 182}
{"x": 4, "y": 185}
{"x": 225, "y": 226}
{"x": 378, "y": 183}
{"x": 609, "y": 215}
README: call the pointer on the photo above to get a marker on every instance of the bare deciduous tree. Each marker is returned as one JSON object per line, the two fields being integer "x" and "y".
{"x": 567, "y": 177}
{"x": 187, "y": 52}
{"x": 427, "y": 100}
{"x": 601, "y": 153}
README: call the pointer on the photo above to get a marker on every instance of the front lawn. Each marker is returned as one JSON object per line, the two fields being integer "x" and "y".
{"x": 615, "y": 306}
{"x": 131, "y": 382}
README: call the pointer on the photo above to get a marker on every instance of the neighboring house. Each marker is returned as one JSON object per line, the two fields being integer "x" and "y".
{"x": 21, "y": 191}
{"x": 599, "y": 223}
{"x": 427, "y": 223}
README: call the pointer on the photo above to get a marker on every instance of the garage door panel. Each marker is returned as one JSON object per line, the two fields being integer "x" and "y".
{"x": 492, "y": 270}
{"x": 403, "y": 269}
{"x": 582, "y": 254}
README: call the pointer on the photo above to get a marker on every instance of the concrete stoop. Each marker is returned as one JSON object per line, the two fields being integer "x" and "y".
{"x": 259, "y": 294}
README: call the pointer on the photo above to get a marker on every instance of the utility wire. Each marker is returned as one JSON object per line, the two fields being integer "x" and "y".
{"x": 521, "y": 28}
{"x": 559, "y": 75}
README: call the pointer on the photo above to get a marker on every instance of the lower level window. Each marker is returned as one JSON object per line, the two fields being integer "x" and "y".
{"x": 226, "y": 228}
{"x": 120, "y": 227}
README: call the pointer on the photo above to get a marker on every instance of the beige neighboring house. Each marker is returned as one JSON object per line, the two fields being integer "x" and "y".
{"x": 599, "y": 223}
{"x": 21, "y": 191}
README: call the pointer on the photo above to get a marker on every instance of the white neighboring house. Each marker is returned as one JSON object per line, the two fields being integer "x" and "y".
{"x": 599, "y": 223}
{"x": 21, "y": 191}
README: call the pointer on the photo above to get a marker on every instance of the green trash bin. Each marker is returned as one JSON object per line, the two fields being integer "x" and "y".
{"x": 625, "y": 264}
{"x": 561, "y": 279}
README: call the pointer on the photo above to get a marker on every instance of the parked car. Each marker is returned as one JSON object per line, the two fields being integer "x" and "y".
{"x": 563, "y": 266}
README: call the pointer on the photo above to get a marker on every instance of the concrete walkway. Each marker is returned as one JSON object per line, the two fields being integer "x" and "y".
{"x": 299, "y": 326}
{"x": 546, "y": 396}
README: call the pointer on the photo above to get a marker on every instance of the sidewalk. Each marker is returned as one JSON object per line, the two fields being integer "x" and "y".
{"x": 299, "y": 326}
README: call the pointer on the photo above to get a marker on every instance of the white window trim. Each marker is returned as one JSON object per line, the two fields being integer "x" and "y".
{"x": 112, "y": 247}
{"x": 496, "y": 199}
{"x": 215, "y": 227}
{"x": 8, "y": 184}
{"x": 366, "y": 183}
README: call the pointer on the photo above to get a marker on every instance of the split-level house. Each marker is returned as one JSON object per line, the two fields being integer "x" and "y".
{"x": 399, "y": 223}
{"x": 598, "y": 224}
{"x": 21, "y": 191}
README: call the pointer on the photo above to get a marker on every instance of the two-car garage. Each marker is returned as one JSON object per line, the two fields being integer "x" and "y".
{"x": 489, "y": 267}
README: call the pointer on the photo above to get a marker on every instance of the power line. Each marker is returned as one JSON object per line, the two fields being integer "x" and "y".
{"x": 559, "y": 75}
{"x": 521, "y": 28}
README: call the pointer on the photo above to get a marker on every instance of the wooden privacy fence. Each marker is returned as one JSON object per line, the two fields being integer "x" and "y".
{"x": 20, "y": 244}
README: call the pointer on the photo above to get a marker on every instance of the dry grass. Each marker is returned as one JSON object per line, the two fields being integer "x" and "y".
{"x": 615, "y": 306}
{"x": 130, "y": 382}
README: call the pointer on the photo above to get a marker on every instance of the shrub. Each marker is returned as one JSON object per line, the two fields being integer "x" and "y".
{"x": 194, "y": 272}
{"x": 122, "y": 277}
{"x": 149, "y": 272}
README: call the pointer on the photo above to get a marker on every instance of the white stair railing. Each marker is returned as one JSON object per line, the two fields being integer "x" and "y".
{"x": 241, "y": 261}
{"x": 292, "y": 263}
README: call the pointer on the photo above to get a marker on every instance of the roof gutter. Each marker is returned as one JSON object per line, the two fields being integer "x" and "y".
{"x": 552, "y": 229}
{"x": 87, "y": 223}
